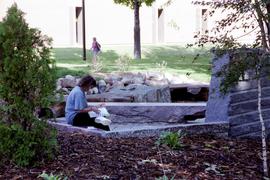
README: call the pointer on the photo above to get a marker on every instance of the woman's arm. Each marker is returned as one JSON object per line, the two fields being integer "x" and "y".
{"x": 90, "y": 108}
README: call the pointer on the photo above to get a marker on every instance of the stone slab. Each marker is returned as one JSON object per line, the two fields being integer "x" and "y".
{"x": 147, "y": 129}
{"x": 218, "y": 103}
{"x": 239, "y": 105}
{"x": 152, "y": 112}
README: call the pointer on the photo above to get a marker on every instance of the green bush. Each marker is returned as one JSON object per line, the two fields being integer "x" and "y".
{"x": 27, "y": 73}
{"x": 27, "y": 82}
{"x": 171, "y": 139}
{"x": 27, "y": 147}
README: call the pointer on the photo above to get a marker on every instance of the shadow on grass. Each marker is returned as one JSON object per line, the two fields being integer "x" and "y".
{"x": 179, "y": 60}
{"x": 69, "y": 61}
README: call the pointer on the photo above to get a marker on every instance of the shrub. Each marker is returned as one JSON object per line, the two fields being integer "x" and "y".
{"x": 27, "y": 75}
{"x": 123, "y": 63}
{"x": 27, "y": 147}
{"x": 27, "y": 81}
{"x": 171, "y": 139}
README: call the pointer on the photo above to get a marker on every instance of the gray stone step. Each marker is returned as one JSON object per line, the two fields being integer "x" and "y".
{"x": 149, "y": 119}
{"x": 147, "y": 129}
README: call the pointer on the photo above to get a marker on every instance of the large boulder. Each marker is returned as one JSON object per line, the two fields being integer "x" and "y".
{"x": 67, "y": 82}
{"x": 134, "y": 93}
{"x": 152, "y": 112}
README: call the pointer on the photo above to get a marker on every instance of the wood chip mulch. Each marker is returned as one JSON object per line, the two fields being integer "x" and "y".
{"x": 202, "y": 157}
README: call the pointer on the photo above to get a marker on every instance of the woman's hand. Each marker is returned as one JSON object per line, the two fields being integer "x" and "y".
{"x": 95, "y": 109}
{"x": 101, "y": 105}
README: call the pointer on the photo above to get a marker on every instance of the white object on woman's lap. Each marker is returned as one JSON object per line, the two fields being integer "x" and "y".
{"x": 103, "y": 120}
{"x": 101, "y": 116}
{"x": 102, "y": 112}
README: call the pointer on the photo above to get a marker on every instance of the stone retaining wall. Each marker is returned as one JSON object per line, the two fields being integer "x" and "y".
{"x": 239, "y": 106}
{"x": 243, "y": 113}
{"x": 152, "y": 112}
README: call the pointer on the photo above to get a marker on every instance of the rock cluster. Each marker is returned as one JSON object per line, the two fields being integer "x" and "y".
{"x": 137, "y": 88}
{"x": 124, "y": 87}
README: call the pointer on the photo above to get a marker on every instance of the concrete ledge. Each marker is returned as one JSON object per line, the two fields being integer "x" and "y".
{"x": 148, "y": 129}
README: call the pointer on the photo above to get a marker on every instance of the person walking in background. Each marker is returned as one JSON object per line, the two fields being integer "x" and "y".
{"x": 95, "y": 49}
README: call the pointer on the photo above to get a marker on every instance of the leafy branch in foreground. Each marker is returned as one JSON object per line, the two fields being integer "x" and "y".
{"x": 251, "y": 17}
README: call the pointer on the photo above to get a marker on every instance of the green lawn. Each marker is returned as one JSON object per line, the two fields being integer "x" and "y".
{"x": 179, "y": 60}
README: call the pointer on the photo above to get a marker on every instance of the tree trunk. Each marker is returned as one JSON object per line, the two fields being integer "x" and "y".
{"x": 137, "y": 36}
{"x": 264, "y": 148}
{"x": 260, "y": 22}
{"x": 83, "y": 30}
{"x": 268, "y": 22}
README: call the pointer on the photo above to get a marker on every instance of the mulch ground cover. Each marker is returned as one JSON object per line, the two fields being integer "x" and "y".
{"x": 202, "y": 157}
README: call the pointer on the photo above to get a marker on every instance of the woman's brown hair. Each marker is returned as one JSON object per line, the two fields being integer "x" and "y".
{"x": 87, "y": 80}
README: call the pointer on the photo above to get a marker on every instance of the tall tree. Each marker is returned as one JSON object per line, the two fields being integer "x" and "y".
{"x": 135, "y": 5}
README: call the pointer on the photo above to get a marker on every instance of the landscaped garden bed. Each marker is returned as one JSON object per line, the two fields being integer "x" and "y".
{"x": 201, "y": 157}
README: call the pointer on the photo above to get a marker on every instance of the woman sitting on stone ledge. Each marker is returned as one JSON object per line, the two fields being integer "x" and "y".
{"x": 76, "y": 111}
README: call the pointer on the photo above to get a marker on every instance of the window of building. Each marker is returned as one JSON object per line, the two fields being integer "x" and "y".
{"x": 160, "y": 25}
{"x": 78, "y": 24}
{"x": 204, "y": 21}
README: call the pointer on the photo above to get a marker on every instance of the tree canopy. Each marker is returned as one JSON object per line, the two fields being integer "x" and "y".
{"x": 246, "y": 16}
{"x": 130, "y": 3}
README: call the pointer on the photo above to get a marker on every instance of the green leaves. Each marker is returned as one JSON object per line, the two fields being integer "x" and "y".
{"x": 26, "y": 81}
{"x": 27, "y": 147}
{"x": 231, "y": 18}
{"x": 130, "y": 3}
{"x": 171, "y": 139}
{"x": 242, "y": 61}
{"x": 27, "y": 74}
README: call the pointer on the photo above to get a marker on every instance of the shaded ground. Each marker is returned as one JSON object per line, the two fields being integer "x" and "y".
{"x": 202, "y": 157}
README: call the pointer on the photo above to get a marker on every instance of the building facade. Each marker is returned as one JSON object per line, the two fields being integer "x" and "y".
{"x": 111, "y": 23}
